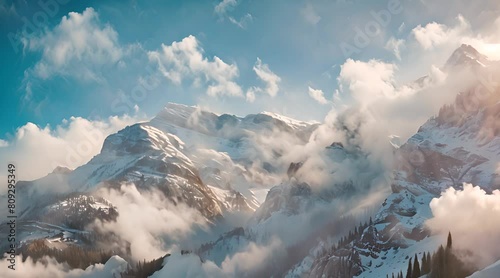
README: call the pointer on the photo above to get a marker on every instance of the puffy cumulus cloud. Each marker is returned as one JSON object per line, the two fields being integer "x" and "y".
{"x": 184, "y": 60}
{"x": 367, "y": 81}
{"x": 36, "y": 151}
{"x": 379, "y": 107}
{"x": 49, "y": 268}
{"x": 79, "y": 46}
{"x": 253, "y": 261}
{"x": 446, "y": 38}
{"x": 434, "y": 34}
{"x": 147, "y": 221}
{"x": 401, "y": 106}
{"x": 268, "y": 77}
{"x": 317, "y": 95}
{"x": 471, "y": 215}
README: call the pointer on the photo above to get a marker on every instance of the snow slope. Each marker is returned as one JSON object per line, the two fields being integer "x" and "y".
{"x": 492, "y": 271}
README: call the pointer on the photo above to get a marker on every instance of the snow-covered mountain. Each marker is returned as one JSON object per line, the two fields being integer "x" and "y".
{"x": 216, "y": 165}
{"x": 460, "y": 145}
{"x": 466, "y": 55}
{"x": 210, "y": 162}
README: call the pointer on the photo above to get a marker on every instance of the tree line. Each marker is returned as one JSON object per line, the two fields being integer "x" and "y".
{"x": 75, "y": 256}
{"x": 444, "y": 263}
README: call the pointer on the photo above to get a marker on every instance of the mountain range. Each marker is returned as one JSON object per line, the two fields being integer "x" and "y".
{"x": 258, "y": 183}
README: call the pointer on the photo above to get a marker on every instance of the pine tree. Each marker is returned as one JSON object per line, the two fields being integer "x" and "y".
{"x": 424, "y": 266}
{"x": 416, "y": 268}
{"x": 428, "y": 266}
{"x": 438, "y": 264}
{"x": 408, "y": 271}
{"x": 449, "y": 241}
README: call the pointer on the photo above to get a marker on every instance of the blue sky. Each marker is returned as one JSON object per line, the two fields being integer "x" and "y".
{"x": 86, "y": 59}
{"x": 299, "y": 40}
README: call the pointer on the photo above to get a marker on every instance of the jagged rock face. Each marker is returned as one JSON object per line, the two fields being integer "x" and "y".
{"x": 466, "y": 55}
{"x": 288, "y": 198}
{"x": 150, "y": 158}
{"x": 344, "y": 264}
{"x": 78, "y": 211}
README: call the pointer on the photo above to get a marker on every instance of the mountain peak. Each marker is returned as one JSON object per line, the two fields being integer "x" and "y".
{"x": 61, "y": 170}
{"x": 466, "y": 55}
{"x": 290, "y": 121}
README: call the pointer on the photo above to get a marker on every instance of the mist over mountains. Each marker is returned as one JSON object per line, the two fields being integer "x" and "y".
{"x": 199, "y": 194}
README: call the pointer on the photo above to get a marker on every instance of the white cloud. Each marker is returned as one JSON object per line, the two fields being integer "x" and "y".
{"x": 387, "y": 90}
{"x": 395, "y": 46}
{"x": 80, "y": 46}
{"x": 48, "y": 267}
{"x": 317, "y": 95}
{"x": 145, "y": 219}
{"x": 367, "y": 81}
{"x": 401, "y": 27}
{"x": 435, "y": 34}
{"x": 252, "y": 258}
{"x": 440, "y": 36}
{"x": 243, "y": 22}
{"x": 310, "y": 15}
{"x": 37, "y": 151}
{"x": 267, "y": 76}
{"x": 184, "y": 60}
{"x": 402, "y": 107}
{"x": 471, "y": 216}
{"x": 270, "y": 79}
{"x": 251, "y": 93}
{"x": 3, "y": 143}
{"x": 224, "y": 6}
{"x": 250, "y": 261}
